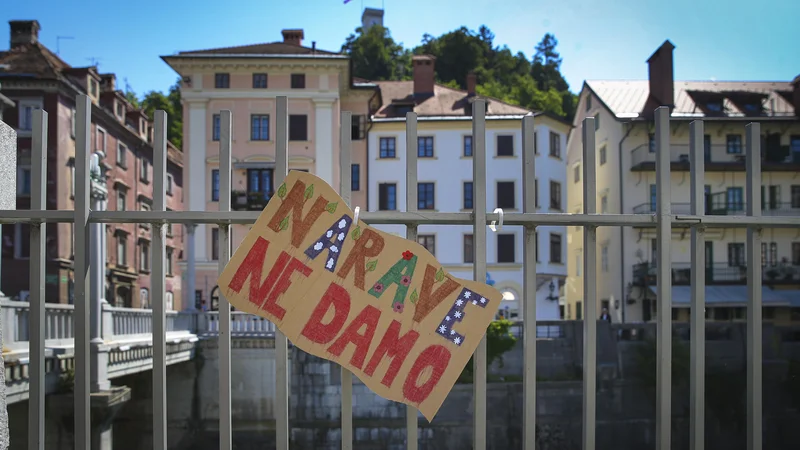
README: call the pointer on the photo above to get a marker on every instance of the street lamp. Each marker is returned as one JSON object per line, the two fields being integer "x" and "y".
{"x": 552, "y": 297}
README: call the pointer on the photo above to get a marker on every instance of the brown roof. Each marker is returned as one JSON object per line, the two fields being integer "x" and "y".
{"x": 445, "y": 101}
{"x": 34, "y": 60}
{"x": 628, "y": 99}
{"x": 269, "y": 48}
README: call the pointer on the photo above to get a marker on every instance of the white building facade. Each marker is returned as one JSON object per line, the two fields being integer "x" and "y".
{"x": 445, "y": 184}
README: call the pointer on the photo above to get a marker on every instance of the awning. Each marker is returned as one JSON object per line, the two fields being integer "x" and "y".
{"x": 736, "y": 296}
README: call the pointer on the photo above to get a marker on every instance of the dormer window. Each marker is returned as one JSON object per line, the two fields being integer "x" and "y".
{"x": 714, "y": 106}
{"x": 402, "y": 110}
{"x": 92, "y": 87}
{"x": 120, "y": 110}
{"x": 143, "y": 127}
{"x": 752, "y": 108}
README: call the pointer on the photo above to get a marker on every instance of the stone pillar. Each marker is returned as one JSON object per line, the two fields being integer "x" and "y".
{"x": 8, "y": 201}
{"x": 99, "y": 356}
{"x": 189, "y": 301}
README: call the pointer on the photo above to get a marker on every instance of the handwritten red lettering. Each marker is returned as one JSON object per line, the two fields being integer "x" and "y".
{"x": 392, "y": 346}
{"x": 436, "y": 357}
{"x": 368, "y": 317}
{"x": 335, "y": 297}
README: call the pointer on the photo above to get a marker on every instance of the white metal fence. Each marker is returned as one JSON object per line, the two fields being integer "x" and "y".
{"x": 662, "y": 219}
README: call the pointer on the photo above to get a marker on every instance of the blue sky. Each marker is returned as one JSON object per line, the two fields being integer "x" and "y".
{"x": 598, "y": 39}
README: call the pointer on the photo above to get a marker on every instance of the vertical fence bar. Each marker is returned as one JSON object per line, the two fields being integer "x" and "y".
{"x": 281, "y": 344}
{"x": 412, "y": 422}
{"x": 225, "y": 432}
{"x": 345, "y": 150}
{"x": 529, "y": 283}
{"x": 697, "y": 368}
{"x": 664, "y": 279}
{"x": 479, "y": 265}
{"x": 83, "y": 135}
{"x": 37, "y": 299}
{"x": 158, "y": 284}
{"x": 754, "y": 325}
{"x": 589, "y": 288}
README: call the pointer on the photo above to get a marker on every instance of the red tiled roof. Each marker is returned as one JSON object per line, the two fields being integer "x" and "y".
{"x": 628, "y": 99}
{"x": 445, "y": 101}
{"x": 32, "y": 60}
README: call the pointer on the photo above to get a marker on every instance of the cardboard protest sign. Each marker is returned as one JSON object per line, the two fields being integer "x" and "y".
{"x": 379, "y": 305}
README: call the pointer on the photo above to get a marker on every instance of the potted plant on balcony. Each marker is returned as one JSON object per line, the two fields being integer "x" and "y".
{"x": 256, "y": 201}
{"x": 238, "y": 200}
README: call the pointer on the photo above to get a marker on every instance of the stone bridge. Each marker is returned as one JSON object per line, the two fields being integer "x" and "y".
{"x": 127, "y": 346}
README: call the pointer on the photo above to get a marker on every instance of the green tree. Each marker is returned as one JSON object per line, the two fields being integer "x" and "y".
{"x": 171, "y": 103}
{"x": 376, "y": 56}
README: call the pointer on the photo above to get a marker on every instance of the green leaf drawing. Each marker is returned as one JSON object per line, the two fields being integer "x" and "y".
{"x": 284, "y": 223}
{"x": 309, "y": 191}
{"x": 371, "y": 265}
{"x": 414, "y": 297}
{"x": 356, "y": 233}
{"x": 331, "y": 208}
{"x": 439, "y": 275}
{"x": 282, "y": 191}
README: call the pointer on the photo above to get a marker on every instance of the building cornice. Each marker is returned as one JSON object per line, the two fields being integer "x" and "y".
{"x": 188, "y": 66}
{"x": 261, "y": 94}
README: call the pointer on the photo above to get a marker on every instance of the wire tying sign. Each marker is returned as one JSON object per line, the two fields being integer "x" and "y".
{"x": 379, "y": 305}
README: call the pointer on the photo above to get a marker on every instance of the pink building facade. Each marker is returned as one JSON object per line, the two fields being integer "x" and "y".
{"x": 247, "y": 80}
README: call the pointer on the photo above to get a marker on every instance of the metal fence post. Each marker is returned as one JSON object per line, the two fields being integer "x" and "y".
{"x": 412, "y": 416}
{"x": 754, "y": 324}
{"x": 224, "y": 340}
{"x": 158, "y": 283}
{"x": 529, "y": 283}
{"x": 281, "y": 343}
{"x": 589, "y": 287}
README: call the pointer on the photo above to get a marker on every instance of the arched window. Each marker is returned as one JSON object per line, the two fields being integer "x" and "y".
{"x": 215, "y": 299}
{"x": 509, "y": 306}
{"x": 144, "y": 298}
{"x": 168, "y": 302}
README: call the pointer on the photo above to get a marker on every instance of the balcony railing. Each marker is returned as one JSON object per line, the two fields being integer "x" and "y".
{"x": 249, "y": 201}
{"x": 715, "y": 207}
{"x": 643, "y": 157}
{"x": 717, "y": 273}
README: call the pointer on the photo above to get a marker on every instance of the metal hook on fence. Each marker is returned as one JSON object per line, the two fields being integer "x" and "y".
{"x": 499, "y": 223}
{"x": 355, "y": 216}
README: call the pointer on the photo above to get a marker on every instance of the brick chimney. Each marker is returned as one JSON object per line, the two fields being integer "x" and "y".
{"x": 796, "y": 95}
{"x": 108, "y": 82}
{"x": 293, "y": 36}
{"x": 24, "y": 32}
{"x": 471, "y": 81}
{"x": 424, "y": 74}
{"x": 662, "y": 76}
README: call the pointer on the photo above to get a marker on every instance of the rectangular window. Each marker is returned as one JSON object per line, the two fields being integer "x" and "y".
{"x": 260, "y": 181}
{"x": 425, "y": 147}
{"x": 467, "y": 195}
{"x": 100, "y": 143}
{"x": 215, "y": 244}
{"x": 796, "y": 253}
{"x": 795, "y": 196}
{"x": 588, "y": 102}
{"x": 736, "y": 255}
{"x": 22, "y": 241}
{"x": 298, "y": 127}
{"x": 555, "y": 248}
{"x": 734, "y": 144}
{"x": 122, "y": 155}
{"x": 505, "y": 195}
{"x": 26, "y": 115}
{"x": 24, "y": 181}
{"x": 555, "y": 195}
{"x": 298, "y": 81}
{"x": 467, "y": 145}
{"x": 169, "y": 184}
{"x": 604, "y": 204}
{"x": 121, "y": 200}
{"x": 469, "y": 249}
{"x": 576, "y": 173}
{"x": 144, "y": 207}
{"x": 215, "y": 128}
{"x": 144, "y": 174}
{"x": 579, "y": 310}
{"x": 505, "y": 145}
{"x": 505, "y": 248}
{"x": 122, "y": 250}
{"x": 387, "y": 147}
{"x": 144, "y": 257}
{"x": 259, "y": 81}
{"x": 735, "y": 199}
{"x": 651, "y": 142}
{"x": 428, "y": 241}
{"x": 555, "y": 145}
{"x": 358, "y": 126}
{"x": 602, "y": 155}
{"x": 653, "y": 197}
{"x": 214, "y": 185}
{"x": 222, "y": 80}
{"x": 259, "y": 127}
{"x": 355, "y": 177}
{"x": 596, "y": 121}
{"x": 169, "y": 261}
{"x": 425, "y": 196}
{"x": 387, "y": 197}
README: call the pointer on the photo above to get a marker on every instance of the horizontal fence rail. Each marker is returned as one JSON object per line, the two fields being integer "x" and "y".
{"x": 56, "y": 322}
